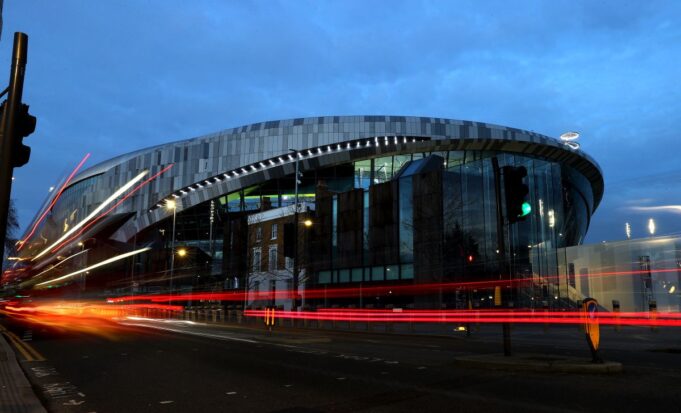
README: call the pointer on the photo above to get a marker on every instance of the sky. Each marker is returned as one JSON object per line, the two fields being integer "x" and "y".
{"x": 112, "y": 76}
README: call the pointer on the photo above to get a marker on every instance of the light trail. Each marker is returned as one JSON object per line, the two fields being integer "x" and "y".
{"x": 94, "y": 213}
{"x": 368, "y": 291}
{"x": 475, "y": 317}
{"x": 85, "y": 317}
{"x": 92, "y": 267}
{"x": 60, "y": 263}
{"x": 128, "y": 195}
{"x": 54, "y": 201}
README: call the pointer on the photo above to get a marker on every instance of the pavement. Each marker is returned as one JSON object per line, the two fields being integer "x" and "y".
{"x": 16, "y": 393}
{"x": 539, "y": 363}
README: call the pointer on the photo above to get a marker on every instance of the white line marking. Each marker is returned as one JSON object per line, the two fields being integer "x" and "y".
{"x": 166, "y": 402}
{"x": 231, "y": 393}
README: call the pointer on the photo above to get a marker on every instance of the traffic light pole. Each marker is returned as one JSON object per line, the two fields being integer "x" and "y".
{"x": 8, "y": 126}
{"x": 501, "y": 247}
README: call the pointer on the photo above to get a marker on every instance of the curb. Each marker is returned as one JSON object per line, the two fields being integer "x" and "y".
{"x": 539, "y": 363}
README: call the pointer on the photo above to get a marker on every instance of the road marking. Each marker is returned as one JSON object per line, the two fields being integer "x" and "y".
{"x": 288, "y": 385}
{"x": 231, "y": 393}
{"x": 193, "y": 333}
{"x": 421, "y": 368}
{"x": 26, "y": 350}
{"x": 81, "y": 394}
{"x": 73, "y": 403}
{"x": 340, "y": 378}
{"x": 41, "y": 372}
{"x": 23, "y": 352}
{"x": 166, "y": 402}
{"x": 60, "y": 390}
{"x": 27, "y": 336}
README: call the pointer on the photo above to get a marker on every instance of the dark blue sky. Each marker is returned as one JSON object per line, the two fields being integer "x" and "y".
{"x": 109, "y": 77}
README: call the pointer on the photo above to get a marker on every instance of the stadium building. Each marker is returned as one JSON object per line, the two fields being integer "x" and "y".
{"x": 415, "y": 203}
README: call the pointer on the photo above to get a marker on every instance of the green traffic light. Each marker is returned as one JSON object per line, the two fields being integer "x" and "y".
{"x": 526, "y": 208}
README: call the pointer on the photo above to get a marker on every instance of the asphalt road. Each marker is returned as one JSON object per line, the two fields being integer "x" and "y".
{"x": 204, "y": 368}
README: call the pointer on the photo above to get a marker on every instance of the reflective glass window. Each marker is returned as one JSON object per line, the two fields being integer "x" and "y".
{"x": 324, "y": 277}
{"x": 343, "y": 276}
{"x": 377, "y": 273}
{"x": 406, "y": 211}
{"x": 407, "y": 271}
{"x": 392, "y": 272}
{"x": 357, "y": 274}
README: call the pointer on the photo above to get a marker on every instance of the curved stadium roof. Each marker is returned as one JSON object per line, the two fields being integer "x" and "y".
{"x": 208, "y": 166}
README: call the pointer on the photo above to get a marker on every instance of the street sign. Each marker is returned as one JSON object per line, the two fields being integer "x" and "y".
{"x": 592, "y": 328}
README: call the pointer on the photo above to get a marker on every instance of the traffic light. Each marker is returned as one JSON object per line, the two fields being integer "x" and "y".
{"x": 517, "y": 206}
{"x": 24, "y": 125}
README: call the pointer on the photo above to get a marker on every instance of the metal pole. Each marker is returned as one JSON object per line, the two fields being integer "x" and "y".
{"x": 210, "y": 230}
{"x": 296, "y": 267}
{"x": 503, "y": 272}
{"x": 172, "y": 250}
{"x": 14, "y": 95}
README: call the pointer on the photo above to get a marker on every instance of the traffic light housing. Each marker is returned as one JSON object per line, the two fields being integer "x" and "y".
{"x": 24, "y": 125}
{"x": 517, "y": 205}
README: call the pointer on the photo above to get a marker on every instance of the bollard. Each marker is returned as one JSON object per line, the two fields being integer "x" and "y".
{"x": 652, "y": 307}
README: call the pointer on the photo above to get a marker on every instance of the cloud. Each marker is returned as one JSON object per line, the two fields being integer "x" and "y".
{"x": 112, "y": 77}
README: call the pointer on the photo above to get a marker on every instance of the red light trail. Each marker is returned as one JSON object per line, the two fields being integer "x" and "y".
{"x": 356, "y": 292}
{"x": 475, "y": 317}
{"x": 54, "y": 200}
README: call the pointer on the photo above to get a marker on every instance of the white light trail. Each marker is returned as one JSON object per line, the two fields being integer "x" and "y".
{"x": 99, "y": 264}
{"x": 94, "y": 213}
{"x": 61, "y": 262}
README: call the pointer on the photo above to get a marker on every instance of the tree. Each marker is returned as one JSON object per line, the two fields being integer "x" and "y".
{"x": 12, "y": 227}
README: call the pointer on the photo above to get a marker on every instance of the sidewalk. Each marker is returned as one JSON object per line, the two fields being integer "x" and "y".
{"x": 16, "y": 394}
{"x": 539, "y": 363}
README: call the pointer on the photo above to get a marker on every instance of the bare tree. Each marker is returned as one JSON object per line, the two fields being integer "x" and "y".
{"x": 12, "y": 227}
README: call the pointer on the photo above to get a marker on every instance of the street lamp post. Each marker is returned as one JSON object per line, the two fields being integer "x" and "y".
{"x": 296, "y": 268}
{"x": 170, "y": 204}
